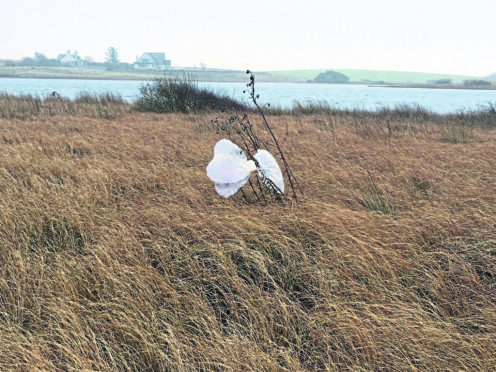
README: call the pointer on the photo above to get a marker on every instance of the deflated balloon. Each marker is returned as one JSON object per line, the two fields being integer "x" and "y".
{"x": 230, "y": 169}
{"x": 270, "y": 170}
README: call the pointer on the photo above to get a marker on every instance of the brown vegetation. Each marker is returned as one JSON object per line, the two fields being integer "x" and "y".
{"x": 117, "y": 253}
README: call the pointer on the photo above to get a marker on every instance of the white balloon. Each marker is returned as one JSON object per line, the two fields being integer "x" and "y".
{"x": 228, "y": 189}
{"x": 230, "y": 169}
{"x": 270, "y": 169}
{"x": 225, "y": 146}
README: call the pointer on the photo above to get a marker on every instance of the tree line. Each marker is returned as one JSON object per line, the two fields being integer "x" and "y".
{"x": 112, "y": 61}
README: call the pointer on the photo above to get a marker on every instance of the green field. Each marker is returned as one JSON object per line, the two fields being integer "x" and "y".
{"x": 298, "y": 76}
{"x": 375, "y": 75}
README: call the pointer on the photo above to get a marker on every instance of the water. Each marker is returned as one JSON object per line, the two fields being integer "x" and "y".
{"x": 283, "y": 94}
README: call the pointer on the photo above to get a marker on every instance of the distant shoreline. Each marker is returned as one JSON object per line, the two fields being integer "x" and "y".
{"x": 433, "y": 86}
{"x": 75, "y": 78}
{"x": 150, "y": 78}
{"x": 88, "y": 74}
{"x": 112, "y": 78}
{"x": 200, "y": 75}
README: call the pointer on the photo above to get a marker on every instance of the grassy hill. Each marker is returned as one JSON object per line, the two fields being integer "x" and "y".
{"x": 118, "y": 254}
{"x": 375, "y": 75}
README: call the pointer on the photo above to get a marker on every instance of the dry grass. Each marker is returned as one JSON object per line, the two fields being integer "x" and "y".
{"x": 103, "y": 106}
{"x": 117, "y": 253}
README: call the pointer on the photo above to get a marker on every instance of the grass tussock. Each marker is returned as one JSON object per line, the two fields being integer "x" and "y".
{"x": 455, "y": 134}
{"x": 117, "y": 253}
{"x": 375, "y": 199}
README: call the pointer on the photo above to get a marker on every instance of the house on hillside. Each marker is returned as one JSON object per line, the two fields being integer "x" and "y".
{"x": 152, "y": 61}
{"x": 70, "y": 59}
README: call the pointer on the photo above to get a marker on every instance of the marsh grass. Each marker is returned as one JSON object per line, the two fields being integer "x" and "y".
{"x": 214, "y": 124}
{"x": 412, "y": 116}
{"x": 104, "y": 106}
{"x": 455, "y": 133}
{"x": 325, "y": 123}
{"x": 118, "y": 254}
{"x": 102, "y": 99}
{"x": 376, "y": 199}
{"x": 19, "y": 107}
{"x": 421, "y": 185}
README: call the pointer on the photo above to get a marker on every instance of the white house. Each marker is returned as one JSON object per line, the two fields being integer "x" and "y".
{"x": 152, "y": 61}
{"x": 70, "y": 59}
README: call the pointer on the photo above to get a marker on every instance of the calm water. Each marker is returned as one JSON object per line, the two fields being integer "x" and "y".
{"x": 284, "y": 94}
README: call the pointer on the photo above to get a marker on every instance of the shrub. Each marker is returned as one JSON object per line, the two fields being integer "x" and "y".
{"x": 182, "y": 94}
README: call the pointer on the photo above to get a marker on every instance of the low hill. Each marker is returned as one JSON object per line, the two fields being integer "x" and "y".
{"x": 491, "y": 77}
{"x": 331, "y": 77}
{"x": 375, "y": 75}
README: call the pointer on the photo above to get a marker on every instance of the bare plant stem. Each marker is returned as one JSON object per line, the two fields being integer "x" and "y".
{"x": 242, "y": 132}
{"x": 289, "y": 173}
{"x": 255, "y": 193}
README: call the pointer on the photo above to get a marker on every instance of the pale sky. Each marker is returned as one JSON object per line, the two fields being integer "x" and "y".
{"x": 448, "y": 36}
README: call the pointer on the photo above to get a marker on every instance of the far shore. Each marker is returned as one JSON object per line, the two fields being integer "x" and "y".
{"x": 89, "y": 74}
{"x": 434, "y": 86}
{"x": 76, "y": 77}
{"x": 200, "y": 75}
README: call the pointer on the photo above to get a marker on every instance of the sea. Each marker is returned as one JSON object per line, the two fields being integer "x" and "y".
{"x": 284, "y": 95}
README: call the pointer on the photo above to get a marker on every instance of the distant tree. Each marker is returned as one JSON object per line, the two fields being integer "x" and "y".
{"x": 112, "y": 56}
{"x": 442, "y": 81}
{"x": 40, "y": 57}
{"x": 332, "y": 77}
{"x": 476, "y": 83}
{"x": 28, "y": 61}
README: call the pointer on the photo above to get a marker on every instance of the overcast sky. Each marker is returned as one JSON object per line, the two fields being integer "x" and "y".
{"x": 450, "y": 36}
